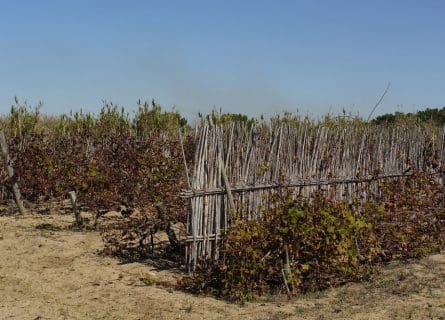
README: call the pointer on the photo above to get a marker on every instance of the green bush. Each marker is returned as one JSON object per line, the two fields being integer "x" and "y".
{"x": 327, "y": 242}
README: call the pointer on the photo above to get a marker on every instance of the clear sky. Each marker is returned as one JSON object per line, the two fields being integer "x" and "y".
{"x": 251, "y": 57}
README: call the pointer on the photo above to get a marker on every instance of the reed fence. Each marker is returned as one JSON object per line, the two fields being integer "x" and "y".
{"x": 238, "y": 166}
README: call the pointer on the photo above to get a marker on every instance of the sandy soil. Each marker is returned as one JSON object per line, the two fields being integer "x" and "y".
{"x": 48, "y": 271}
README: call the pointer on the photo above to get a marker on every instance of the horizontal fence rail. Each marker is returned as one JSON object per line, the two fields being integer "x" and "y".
{"x": 348, "y": 160}
{"x": 292, "y": 184}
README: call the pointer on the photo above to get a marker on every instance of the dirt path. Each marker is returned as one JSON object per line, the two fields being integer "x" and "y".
{"x": 50, "y": 272}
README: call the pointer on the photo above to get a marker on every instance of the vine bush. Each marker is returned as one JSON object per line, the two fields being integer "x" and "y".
{"x": 328, "y": 242}
{"x": 112, "y": 161}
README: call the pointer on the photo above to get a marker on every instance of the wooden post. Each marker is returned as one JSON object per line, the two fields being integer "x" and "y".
{"x": 286, "y": 272}
{"x": 76, "y": 211}
{"x": 11, "y": 175}
{"x": 185, "y": 159}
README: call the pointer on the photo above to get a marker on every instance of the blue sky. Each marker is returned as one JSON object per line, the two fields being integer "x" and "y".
{"x": 251, "y": 57}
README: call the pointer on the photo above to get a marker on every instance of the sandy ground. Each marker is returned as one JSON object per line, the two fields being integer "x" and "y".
{"x": 48, "y": 271}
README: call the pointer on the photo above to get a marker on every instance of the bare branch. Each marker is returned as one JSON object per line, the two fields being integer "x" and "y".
{"x": 380, "y": 101}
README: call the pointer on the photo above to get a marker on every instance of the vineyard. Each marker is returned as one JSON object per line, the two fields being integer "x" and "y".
{"x": 252, "y": 207}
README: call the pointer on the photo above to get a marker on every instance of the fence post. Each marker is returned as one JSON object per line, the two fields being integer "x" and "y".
{"x": 11, "y": 175}
{"x": 76, "y": 211}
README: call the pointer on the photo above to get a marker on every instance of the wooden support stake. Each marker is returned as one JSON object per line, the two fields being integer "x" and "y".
{"x": 76, "y": 211}
{"x": 185, "y": 159}
{"x": 286, "y": 272}
{"x": 11, "y": 175}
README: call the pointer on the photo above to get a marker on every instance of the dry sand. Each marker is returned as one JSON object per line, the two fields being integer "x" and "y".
{"x": 48, "y": 271}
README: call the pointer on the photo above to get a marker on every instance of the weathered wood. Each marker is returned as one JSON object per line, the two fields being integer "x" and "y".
{"x": 242, "y": 166}
{"x": 76, "y": 210}
{"x": 184, "y": 159}
{"x": 228, "y": 189}
{"x": 12, "y": 177}
{"x": 302, "y": 183}
{"x": 286, "y": 270}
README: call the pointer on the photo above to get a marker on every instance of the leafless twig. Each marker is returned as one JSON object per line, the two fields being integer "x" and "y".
{"x": 380, "y": 101}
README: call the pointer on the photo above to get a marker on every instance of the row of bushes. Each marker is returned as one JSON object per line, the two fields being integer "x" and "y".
{"x": 302, "y": 244}
{"x": 108, "y": 159}
{"x": 112, "y": 161}
{"x": 149, "y": 118}
{"x": 310, "y": 244}
{"x": 119, "y": 170}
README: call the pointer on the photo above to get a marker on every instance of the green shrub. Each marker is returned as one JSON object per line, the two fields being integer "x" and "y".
{"x": 327, "y": 242}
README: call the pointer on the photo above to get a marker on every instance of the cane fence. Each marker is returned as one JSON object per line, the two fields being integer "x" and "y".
{"x": 349, "y": 161}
